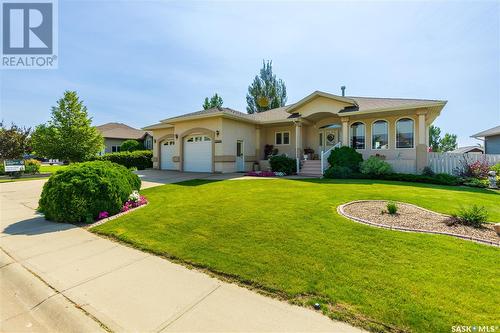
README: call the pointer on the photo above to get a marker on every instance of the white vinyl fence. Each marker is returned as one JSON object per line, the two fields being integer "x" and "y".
{"x": 449, "y": 162}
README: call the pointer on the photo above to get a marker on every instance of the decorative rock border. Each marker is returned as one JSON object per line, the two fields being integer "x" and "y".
{"x": 340, "y": 210}
{"x": 96, "y": 223}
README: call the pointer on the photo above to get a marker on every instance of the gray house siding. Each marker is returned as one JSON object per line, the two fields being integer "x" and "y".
{"x": 492, "y": 144}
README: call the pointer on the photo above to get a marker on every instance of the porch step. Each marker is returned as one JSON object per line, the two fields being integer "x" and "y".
{"x": 311, "y": 168}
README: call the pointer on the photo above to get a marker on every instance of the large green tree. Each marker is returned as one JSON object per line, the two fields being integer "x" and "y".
{"x": 14, "y": 141}
{"x": 444, "y": 144}
{"x": 68, "y": 135}
{"x": 214, "y": 102}
{"x": 266, "y": 92}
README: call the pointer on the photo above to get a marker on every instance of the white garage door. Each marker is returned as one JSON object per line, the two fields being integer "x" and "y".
{"x": 167, "y": 152}
{"x": 198, "y": 153}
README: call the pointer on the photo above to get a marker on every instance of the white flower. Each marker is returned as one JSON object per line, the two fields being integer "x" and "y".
{"x": 134, "y": 196}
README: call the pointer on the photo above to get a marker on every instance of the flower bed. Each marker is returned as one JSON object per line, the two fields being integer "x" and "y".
{"x": 416, "y": 219}
{"x": 135, "y": 200}
{"x": 265, "y": 174}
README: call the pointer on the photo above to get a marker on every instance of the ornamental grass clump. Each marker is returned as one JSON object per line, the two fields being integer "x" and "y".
{"x": 473, "y": 216}
{"x": 392, "y": 208}
{"x": 81, "y": 192}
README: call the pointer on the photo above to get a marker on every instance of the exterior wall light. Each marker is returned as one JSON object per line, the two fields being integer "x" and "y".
{"x": 176, "y": 136}
{"x": 217, "y": 132}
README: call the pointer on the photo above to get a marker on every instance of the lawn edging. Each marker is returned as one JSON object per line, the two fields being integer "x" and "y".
{"x": 102, "y": 221}
{"x": 341, "y": 211}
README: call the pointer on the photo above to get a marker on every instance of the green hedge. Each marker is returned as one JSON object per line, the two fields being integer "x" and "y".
{"x": 83, "y": 190}
{"x": 282, "y": 163}
{"x": 140, "y": 159}
{"x": 345, "y": 157}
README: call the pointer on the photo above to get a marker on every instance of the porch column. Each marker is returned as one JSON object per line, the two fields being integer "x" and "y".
{"x": 257, "y": 143}
{"x": 298, "y": 143}
{"x": 421, "y": 147}
{"x": 345, "y": 131}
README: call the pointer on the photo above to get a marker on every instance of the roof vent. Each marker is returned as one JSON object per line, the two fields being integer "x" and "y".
{"x": 343, "y": 90}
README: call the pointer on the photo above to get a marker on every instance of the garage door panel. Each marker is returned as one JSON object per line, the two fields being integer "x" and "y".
{"x": 198, "y": 154}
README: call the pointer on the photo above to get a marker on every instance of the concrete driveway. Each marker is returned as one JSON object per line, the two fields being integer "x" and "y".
{"x": 151, "y": 177}
{"x": 58, "y": 277}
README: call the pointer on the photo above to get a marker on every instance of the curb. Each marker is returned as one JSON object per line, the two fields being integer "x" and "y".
{"x": 340, "y": 210}
{"x": 107, "y": 219}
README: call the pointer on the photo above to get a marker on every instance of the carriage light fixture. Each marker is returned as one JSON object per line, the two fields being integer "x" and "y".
{"x": 217, "y": 132}
{"x": 176, "y": 136}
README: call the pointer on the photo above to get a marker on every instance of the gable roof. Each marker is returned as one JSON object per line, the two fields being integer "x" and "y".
{"x": 489, "y": 132}
{"x": 120, "y": 131}
{"x": 466, "y": 149}
{"x": 285, "y": 113}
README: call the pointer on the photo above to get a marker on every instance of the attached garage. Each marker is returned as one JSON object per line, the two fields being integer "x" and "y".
{"x": 198, "y": 153}
{"x": 167, "y": 154}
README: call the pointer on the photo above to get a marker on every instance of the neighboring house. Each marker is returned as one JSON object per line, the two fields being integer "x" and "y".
{"x": 226, "y": 140}
{"x": 491, "y": 139}
{"x": 468, "y": 150}
{"x": 116, "y": 133}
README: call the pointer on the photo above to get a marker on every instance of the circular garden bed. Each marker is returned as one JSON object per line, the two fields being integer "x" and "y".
{"x": 416, "y": 219}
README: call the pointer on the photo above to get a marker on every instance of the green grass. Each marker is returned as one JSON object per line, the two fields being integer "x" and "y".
{"x": 10, "y": 180}
{"x": 51, "y": 168}
{"x": 285, "y": 236}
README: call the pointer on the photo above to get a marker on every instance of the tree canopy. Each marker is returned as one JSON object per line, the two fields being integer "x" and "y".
{"x": 214, "y": 102}
{"x": 68, "y": 135}
{"x": 266, "y": 91}
{"x": 438, "y": 144}
{"x": 14, "y": 141}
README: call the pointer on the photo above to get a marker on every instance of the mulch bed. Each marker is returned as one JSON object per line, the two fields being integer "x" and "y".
{"x": 413, "y": 218}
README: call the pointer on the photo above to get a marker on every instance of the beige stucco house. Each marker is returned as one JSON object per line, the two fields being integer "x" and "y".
{"x": 226, "y": 140}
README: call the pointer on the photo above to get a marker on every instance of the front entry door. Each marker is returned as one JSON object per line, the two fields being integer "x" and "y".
{"x": 328, "y": 137}
{"x": 240, "y": 157}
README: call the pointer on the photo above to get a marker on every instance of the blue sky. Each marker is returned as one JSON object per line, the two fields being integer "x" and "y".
{"x": 138, "y": 62}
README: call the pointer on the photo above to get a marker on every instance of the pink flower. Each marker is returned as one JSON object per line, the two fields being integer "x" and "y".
{"x": 103, "y": 215}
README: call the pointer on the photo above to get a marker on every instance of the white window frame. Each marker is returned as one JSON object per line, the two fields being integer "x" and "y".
{"x": 117, "y": 149}
{"x": 388, "y": 135}
{"x": 350, "y": 134}
{"x": 282, "y": 138}
{"x": 396, "y": 133}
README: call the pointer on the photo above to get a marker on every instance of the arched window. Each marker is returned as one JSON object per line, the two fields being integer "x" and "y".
{"x": 405, "y": 135}
{"x": 358, "y": 135}
{"x": 380, "y": 135}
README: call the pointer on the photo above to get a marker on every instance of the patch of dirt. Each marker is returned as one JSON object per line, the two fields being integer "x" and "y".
{"x": 413, "y": 217}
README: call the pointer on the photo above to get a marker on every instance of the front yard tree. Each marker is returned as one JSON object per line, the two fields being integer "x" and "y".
{"x": 448, "y": 142}
{"x": 68, "y": 135}
{"x": 14, "y": 141}
{"x": 444, "y": 144}
{"x": 214, "y": 102}
{"x": 266, "y": 92}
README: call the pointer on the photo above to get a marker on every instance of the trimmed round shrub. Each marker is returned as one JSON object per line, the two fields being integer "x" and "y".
{"x": 345, "y": 157}
{"x": 283, "y": 163}
{"x": 83, "y": 190}
{"x": 131, "y": 145}
{"x": 337, "y": 172}
{"x": 374, "y": 166}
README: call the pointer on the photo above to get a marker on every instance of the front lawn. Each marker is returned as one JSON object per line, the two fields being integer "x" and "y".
{"x": 51, "y": 168}
{"x": 285, "y": 237}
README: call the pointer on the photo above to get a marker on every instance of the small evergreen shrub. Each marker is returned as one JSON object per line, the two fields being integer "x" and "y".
{"x": 345, "y": 157}
{"x": 131, "y": 145}
{"x": 374, "y": 166}
{"x": 337, "y": 172}
{"x": 83, "y": 190}
{"x": 474, "y": 216}
{"x": 140, "y": 159}
{"x": 282, "y": 163}
{"x": 392, "y": 208}
{"x": 2, "y": 168}
{"x": 427, "y": 171}
{"x": 496, "y": 168}
{"x": 475, "y": 182}
{"x": 32, "y": 166}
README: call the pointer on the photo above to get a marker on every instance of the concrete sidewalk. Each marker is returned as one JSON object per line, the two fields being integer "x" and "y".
{"x": 126, "y": 289}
